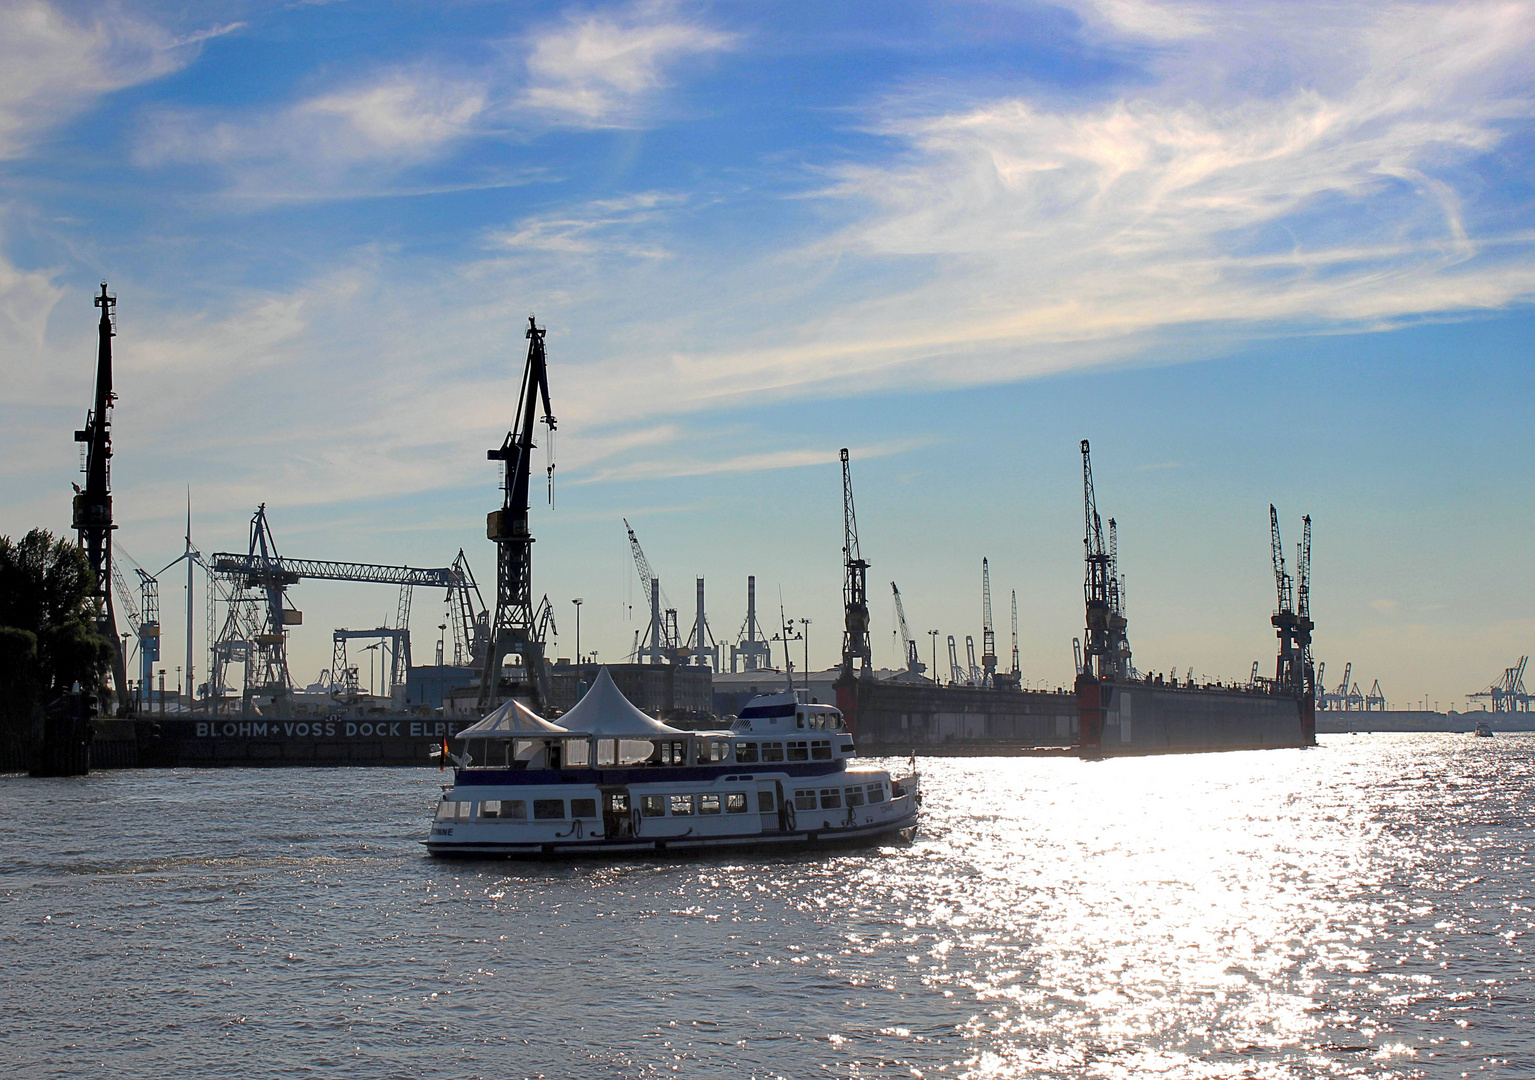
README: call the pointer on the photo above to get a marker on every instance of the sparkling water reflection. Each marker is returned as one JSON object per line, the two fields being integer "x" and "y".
{"x": 1362, "y": 909}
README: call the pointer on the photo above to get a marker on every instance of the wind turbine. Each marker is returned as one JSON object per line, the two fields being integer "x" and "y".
{"x": 192, "y": 557}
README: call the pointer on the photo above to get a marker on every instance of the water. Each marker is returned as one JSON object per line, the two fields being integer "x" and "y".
{"x": 1361, "y": 909}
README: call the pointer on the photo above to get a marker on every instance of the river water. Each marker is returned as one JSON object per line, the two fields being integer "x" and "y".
{"x": 1364, "y": 908}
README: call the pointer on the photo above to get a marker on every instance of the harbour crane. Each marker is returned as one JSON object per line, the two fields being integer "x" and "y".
{"x": 1106, "y": 646}
{"x": 1508, "y": 693}
{"x": 752, "y": 647}
{"x": 1017, "y": 671}
{"x": 514, "y": 630}
{"x": 973, "y": 670}
{"x": 988, "y": 631}
{"x": 92, "y": 517}
{"x": 259, "y": 579}
{"x": 1292, "y": 669}
{"x": 956, "y": 673}
{"x": 914, "y": 666}
{"x": 1376, "y": 698}
{"x": 660, "y": 640}
{"x": 855, "y": 595}
{"x": 701, "y": 643}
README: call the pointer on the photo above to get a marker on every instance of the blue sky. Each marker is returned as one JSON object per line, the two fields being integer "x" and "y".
{"x": 1254, "y": 251}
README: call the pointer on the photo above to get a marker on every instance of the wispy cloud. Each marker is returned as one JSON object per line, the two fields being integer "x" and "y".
{"x": 600, "y": 70}
{"x": 1221, "y": 191}
{"x": 607, "y": 225}
{"x": 764, "y": 461}
{"x": 52, "y": 66}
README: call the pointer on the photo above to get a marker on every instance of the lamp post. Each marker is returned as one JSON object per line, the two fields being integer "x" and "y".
{"x": 934, "y": 635}
{"x": 805, "y": 633}
{"x": 578, "y": 601}
{"x": 442, "y": 634}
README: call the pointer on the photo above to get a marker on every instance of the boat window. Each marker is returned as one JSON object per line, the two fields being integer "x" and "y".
{"x": 846, "y": 748}
{"x": 514, "y": 808}
{"x": 765, "y": 802}
{"x": 831, "y": 798}
{"x": 876, "y": 793}
{"x": 465, "y": 810}
{"x": 708, "y": 804}
{"x": 799, "y": 718}
{"x": 672, "y": 753}
{"x": 653, "y": 805}
{"x": 746, "y": 751}
{"x": 713, "y": 750}
{"x": 820, "y": 749}
{"x": 682, "y": 805}
{"x": 447, "y": 811}
{"x": 772, "y": 751}
{"x": 799, "y": 751}
{"x": 735, "y": 802}
{"x": 804, "y": 800}
{"x": 490, "y": 808}
{"x": 586, "y": 808}
{"x": 577, "y": 753}
{"x": 549, "y": 809}
{"x": 855, "y": 796}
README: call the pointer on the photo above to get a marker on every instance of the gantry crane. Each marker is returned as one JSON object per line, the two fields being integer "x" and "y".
{"x": 1508, "y": 693}
{"x": 956, "y": 673}
{"x": 972, "y": 670}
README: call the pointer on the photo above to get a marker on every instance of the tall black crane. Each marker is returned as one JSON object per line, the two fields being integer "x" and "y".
{"x": 1107, "y": 651}
{"x": 1292, "y": 669}
{"x": 515, "y": 629}
{"x": 855, "y": 595}
{"x": 93, "y": 503}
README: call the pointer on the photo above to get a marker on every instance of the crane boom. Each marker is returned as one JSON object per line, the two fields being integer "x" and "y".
{"x": 660, "y": 640}
{"x": 1017, "y": 671}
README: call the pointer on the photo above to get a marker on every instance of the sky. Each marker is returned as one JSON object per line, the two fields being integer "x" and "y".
{"x": 1255, "y": 252}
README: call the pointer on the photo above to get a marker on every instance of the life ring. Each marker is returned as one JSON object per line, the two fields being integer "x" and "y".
{"x": 634, "y": 820}
{"x": 580, "y": 829}
{"x": 790, "y": 818}
{"x": 851, "y": 820}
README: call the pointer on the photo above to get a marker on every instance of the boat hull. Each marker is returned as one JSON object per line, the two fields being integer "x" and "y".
{"x": 601, "y": 847}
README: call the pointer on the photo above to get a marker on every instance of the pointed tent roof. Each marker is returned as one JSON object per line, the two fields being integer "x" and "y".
{"x": 606, "y": 713}
{"x": 511, "y": 719}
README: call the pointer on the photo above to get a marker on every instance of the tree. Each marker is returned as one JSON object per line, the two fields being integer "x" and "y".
{"x": 48, "y": 634}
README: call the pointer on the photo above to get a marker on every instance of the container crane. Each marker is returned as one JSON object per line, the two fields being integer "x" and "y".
{"x": 956, "y": 673}
{"x": 514, "y": 630}
{"x": 1508, "y": 693}
{"x": 973, "y": 671}
{"x": 914, "y": 666}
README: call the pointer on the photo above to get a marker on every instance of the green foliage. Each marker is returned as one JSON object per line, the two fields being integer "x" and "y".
{"x": 48, "y": 635}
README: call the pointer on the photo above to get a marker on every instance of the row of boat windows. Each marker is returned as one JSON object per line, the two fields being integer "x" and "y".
{"x": 836, "y": 798}
{"x": 728, "y": 802}
{"x": 800, "y": 750}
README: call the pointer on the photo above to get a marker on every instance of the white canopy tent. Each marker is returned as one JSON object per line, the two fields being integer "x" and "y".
{"x": 624, "y": 735}
{"x": 510, "y": 720}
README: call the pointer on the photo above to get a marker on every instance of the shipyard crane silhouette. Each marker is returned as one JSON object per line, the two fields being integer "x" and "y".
{"x": 855, "y": 595}
{"x": 1106, "y": 649}
{"x": 259, "y": 580}
{"x": 1293, "y": 673}
{"x": 956, "y": 673}
{"x": 514, "y": 630}
{"x": 701, "y": 643}
{"x": 92, "y": 518}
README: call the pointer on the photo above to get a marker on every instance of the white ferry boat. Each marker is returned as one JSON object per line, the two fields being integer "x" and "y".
{"x": 610, "y": 780}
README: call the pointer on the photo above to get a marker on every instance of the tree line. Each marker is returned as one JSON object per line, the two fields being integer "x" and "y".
{"x": 49, "y": 640}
